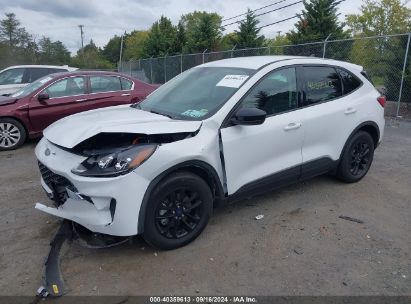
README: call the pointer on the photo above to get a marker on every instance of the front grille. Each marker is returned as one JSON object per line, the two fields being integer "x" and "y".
{"x": 57, "y": 184}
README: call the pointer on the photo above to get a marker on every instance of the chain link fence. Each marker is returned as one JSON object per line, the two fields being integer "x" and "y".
{"x": 385, "y": 58}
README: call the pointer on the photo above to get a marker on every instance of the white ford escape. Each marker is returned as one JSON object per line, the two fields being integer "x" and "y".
{"x": 218, "y": 132}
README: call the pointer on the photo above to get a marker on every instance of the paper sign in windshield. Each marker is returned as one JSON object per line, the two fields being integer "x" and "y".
{"x": 232, "y": 81}
{"x": 195, "y": 113}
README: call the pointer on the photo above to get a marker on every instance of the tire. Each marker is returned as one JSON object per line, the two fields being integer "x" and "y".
{"x": 357, "y": 157}
{"x": 178, "y": 211}
{"x": 12, "y": 134}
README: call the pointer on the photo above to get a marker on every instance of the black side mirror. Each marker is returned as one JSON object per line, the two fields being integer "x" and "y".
{"x": 43, "y": 96}
{"x": 249, "y": 117}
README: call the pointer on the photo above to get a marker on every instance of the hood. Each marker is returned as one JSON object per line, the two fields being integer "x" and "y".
{"x": 5, "y": 100}
{"x": 72, "y": 130}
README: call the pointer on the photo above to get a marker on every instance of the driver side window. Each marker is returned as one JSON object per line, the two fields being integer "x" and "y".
{"x": 276, "y": 93}
{"x": 67, "y": 87}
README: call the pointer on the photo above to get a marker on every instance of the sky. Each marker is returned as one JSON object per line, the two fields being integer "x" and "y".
{"x": 102, "y": 19}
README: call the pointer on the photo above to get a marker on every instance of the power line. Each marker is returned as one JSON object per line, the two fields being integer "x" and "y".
{"x": 258, "y": 9}
{"x": 283, "y": 20}
{"x": 277, "y": 9}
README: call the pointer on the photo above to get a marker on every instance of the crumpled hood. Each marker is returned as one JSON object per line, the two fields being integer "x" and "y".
{"x": 5, "y": 100}
{"x": 72, "y": 130}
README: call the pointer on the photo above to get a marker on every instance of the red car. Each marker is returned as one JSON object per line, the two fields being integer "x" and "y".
{"x": 30, "y": 110}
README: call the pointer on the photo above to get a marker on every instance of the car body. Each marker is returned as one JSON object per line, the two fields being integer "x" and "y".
{"x": 216, "y": 133}
{"x": 16, "y": 77}
{"x": 31, "y": 109}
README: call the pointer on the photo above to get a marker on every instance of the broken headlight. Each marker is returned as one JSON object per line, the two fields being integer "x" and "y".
{"x": 114, "y": 163}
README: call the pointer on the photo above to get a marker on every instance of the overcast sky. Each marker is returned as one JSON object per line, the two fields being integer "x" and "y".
{"x": 102, "y": 19}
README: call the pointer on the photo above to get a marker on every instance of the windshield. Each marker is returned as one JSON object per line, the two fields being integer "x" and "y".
{"x": 197, "y": 93}
{"x": 23, "y": 92}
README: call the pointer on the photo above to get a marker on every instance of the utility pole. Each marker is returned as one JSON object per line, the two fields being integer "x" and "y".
{"x": 82, "y": 35}
{"x": 121, "y": 52}
{"x": 279, "y": 33}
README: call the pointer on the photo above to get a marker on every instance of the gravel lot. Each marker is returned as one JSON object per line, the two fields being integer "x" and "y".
{"x": 300, "y": 247}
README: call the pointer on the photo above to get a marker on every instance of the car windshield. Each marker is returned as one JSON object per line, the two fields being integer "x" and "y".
{"x": 30, "y": 88}
{"x": 195, "y": 94}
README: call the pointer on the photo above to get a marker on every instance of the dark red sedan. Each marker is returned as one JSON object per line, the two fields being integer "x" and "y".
{"x": 30, "y": 110}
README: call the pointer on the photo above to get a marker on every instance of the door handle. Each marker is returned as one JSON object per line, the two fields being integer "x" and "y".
{"x": 80, "y": 100}
{"x": 126, "y": 94}
{"x": 350, "y": 111}
{"x": 292, "y": 126}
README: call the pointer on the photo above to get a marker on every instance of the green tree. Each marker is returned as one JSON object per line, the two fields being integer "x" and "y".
{"x": 161, "y": 38}
{"x": 111, "y": 51}
{"x": 52, "y": 52}
{"x": 248, "y": 32}
{"x": 277, "y": 44}
{"x": 181, "y": 37}
{"x": 380, "y": 17}
{"x": 91, "y": 57}
{"x": 317, "y": 21}
{"x": 134, "y": 44}
{"x": 203, "y": 31}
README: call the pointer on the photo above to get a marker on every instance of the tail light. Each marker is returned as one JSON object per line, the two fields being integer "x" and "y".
{"x": 381, "y": 100}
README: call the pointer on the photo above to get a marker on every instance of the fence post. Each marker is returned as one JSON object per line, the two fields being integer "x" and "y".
{"x": 204, "y": 54}
{"x": 325, "y": 43}
{"x": 165, "y": 68}
{"x": 181, "y": 63}
{"x": 151, "y": 69}
{"x": 403, "y": 73}
{"x": 269, "y": 50}
{"x": 232, "y": 51}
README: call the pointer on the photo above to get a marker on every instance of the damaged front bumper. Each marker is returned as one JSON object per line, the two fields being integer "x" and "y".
{"x": 104, "y": 205}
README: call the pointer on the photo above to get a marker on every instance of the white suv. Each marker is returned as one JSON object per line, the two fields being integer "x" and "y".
{"x": 216, "y": 133}
{"x": 16, "y": 77}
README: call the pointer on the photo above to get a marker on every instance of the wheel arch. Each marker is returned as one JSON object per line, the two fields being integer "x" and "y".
{"x": 368, "y": 126}
{"x": 200, "y": 168}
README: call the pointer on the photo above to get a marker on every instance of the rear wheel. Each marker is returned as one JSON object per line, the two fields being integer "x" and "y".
{"x": 178, "y": 210}
{"x": 357, "y": 157}
{"x": 12, "y": 134}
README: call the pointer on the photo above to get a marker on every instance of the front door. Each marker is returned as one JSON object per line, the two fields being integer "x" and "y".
{"x": 270, "y": 152}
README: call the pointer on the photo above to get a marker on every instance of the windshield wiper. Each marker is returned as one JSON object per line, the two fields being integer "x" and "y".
{"x": 166, "y": 115}
{"x": 136, "y": 105}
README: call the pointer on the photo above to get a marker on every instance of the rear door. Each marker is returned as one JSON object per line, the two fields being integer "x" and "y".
{"x": 107, "y": 91}
{"x": 67, "y": 96}
{"x": 329, "y": 115}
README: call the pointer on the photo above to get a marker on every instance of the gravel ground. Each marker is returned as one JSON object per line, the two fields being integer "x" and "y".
{"x": 300, "y": 247}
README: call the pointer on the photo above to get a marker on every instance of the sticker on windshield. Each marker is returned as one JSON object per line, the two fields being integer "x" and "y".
{"x": 43, "y": 81}
{"x": 195, "y": 113}
{"x": 232, "y": 81}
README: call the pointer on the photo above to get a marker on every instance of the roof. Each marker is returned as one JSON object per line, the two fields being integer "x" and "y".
{"x": 89, "y": 72}
{"x": 42, "y": 66}
{"x": 257, "y": 62}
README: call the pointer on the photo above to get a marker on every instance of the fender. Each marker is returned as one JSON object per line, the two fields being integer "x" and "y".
{"x": 219, "y": 194}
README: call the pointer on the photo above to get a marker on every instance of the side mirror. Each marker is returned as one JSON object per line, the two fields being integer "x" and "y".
{"x": 43, "y": 96}
{"x": 249, "y": 117}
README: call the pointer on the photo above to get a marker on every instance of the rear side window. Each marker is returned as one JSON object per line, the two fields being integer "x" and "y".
{"x": 12, "y": 76}
{"x": 350, "y": 82}
{"x": 322, "y": 84}
{"x": 36, "y": 73}
{"x": 126, "y": 84}
{"x": 101, "y": 84}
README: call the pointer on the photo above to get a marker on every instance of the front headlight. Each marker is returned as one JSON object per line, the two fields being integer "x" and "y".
{"x": 119, "y": 162}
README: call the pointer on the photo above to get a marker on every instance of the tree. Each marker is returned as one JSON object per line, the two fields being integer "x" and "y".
{"x": 277, "y": 44}
{"x": 53, "y": 52}
{"x": 248, "y": 32}
{"x": 134, "y": 44}
{"x": 317, "y": 21}
{"x": 111, "y": 51}
{"x": 181, "y": 39}
{"x": 203, "y": 31}
{"x": 11, "y": 31}
{"x": 382, "y": 57}
{"x": 380, "y": 17}
{"x": 161, "y": 38}
{"x": 90, "y": 57}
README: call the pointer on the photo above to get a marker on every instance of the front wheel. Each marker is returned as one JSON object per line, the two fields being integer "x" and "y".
{"x": 357, "y": 157}
{"x": 12, "y": 134}
{"x": 178, "y": 210}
